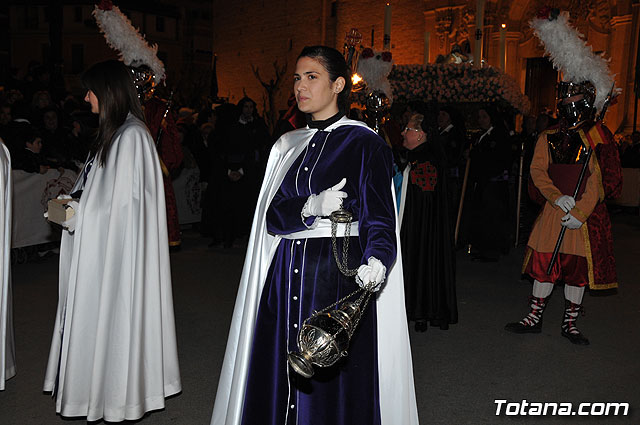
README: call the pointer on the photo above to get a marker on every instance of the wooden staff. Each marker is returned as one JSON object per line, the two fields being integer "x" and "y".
{"x": 556, "y": 250}
{"x": 462, "y": 194}
{"x": 164, "y": 116}
{"x": 519, "y": 194}
{"x": 610, "y": 96}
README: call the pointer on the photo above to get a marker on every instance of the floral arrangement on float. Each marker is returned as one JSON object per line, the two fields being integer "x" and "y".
{"x": 455, "y": 83}
{"x": 444, "y": 83}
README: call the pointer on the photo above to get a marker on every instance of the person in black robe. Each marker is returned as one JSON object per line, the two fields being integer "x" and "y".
{"x": 452, "y": 134}
{"x": 489, "y": 183}
{"x": 426, "y": 234}
{"x": 236, "y": 147}
{"x": 27, "y": 146}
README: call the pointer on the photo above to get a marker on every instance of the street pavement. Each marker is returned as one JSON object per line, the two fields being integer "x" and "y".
{"x": 459, "y": 373}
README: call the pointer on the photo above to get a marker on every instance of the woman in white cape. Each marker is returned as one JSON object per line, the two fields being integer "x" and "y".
{"x": 7, "y": 349}
{"x": 113, "y": 353}
{"x": 289, "y": 272}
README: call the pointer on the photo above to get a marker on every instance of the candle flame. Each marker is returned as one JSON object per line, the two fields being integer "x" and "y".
{"x": 355, "y": 79}
{"x": 504, "y": 26}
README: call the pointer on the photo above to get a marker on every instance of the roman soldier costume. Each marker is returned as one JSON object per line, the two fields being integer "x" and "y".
{"x": 584, "y": 253}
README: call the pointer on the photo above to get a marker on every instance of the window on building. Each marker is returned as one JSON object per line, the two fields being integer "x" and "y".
{"x": 77, "y": 14}
{"x": 334, "y": 9}
{"x": 163, "y": 57}
{"x": 45, "y": 49}
{"x": 31, "y": 17}
{"x": 160, "y": 23}
{"x": 77, "y": 58}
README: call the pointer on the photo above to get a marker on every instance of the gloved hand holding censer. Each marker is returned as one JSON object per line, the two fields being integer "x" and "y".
{"x": 324, "y": 337}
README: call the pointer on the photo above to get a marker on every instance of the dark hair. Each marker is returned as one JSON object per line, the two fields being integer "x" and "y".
{"x": 492, "y": 112}
{"x": 113, "y": 86}
{"x": 21, "y": 133}
{"x": 335, "y": 64}
{"x": 429, "y": 112}
{"x": 244, "y": 100}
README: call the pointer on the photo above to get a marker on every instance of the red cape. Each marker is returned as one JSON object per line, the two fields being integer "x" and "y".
{"x": 602, "y": 264}
{"x": 170, "y": 153}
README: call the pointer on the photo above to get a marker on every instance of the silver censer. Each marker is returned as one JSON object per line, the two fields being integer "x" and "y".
{"x": 324, "y": 337}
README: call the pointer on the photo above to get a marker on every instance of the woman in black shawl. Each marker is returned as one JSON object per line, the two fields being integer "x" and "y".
{"x": 426, "y": 234}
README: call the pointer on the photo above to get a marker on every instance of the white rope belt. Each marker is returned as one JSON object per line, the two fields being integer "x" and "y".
{"x": 323, "y": 230}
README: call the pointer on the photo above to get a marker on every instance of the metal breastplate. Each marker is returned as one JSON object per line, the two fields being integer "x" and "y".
{"x": 566, "y": 148}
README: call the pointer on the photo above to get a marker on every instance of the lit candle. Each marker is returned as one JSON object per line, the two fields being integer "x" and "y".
{"x": 503, "y": 58}
{"x": 477, "y": 51}
{"x": 387, "y": 27}
{"x": 427, "y": 39}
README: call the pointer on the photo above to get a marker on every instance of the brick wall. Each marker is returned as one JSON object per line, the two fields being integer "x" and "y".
{"x": 407, "y": 26}
{"x": 256, "y": 32}
{"x": 279, "y": 29}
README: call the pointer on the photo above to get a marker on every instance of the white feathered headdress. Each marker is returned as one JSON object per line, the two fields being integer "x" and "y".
{"x": 374, "y": 67}
{"x": 123, "y": 37}
{"x": 571, "y": 54}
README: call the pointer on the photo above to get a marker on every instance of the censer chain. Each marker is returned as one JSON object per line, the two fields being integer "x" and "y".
{"x": 342, "y": 265}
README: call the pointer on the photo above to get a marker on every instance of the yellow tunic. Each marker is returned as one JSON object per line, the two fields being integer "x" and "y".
{"x": 547, "y": 227}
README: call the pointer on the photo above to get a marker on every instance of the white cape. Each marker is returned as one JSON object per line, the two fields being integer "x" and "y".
{"x": 113, "y": 353}
{"x": 395, "y": 368}
{"x": 7, "y": 348}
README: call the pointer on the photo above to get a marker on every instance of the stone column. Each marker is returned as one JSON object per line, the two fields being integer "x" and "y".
{"x": 513, "y": 60}
{"x": 622, "y": 66}
{"x": 479, "y": 34}
{"x": 430, "y": 27}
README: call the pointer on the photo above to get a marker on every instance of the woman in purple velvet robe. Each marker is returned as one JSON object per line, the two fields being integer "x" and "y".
{"x": 303, "y": 276}
{"x": 334, "y": 161}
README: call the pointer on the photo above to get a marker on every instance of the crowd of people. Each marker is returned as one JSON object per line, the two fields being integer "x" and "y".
{"x": 43, "y": 126}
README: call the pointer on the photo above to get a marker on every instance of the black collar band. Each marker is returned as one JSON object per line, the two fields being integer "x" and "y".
{"x": 322, "y": 124}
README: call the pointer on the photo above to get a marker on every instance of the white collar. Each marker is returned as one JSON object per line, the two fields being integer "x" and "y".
{"x": 447, "y": 129}
{"x": 242, "y": 120}
{"x": 485, "y": 133}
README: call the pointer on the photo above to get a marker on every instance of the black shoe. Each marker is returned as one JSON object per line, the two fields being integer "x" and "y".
{"x": 421, "y": 326}
{"x": 442, "y": 324}
{"x": 519, "y": 328}
{"x": 537, "y": 306}
{"x": 215, "y": 243}
{"x": 568, "y": 328}
{"x": 577, "y": 339}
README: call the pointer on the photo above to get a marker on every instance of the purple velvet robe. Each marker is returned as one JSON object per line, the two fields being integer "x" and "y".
{"x": 303, "y": 277}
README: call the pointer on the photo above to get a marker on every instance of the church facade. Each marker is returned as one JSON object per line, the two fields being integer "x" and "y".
{"x": 262, "y": 33}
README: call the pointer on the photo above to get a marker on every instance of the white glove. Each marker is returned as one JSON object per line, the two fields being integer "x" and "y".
{"x": 566, "y": 203}
{"x": 323, "y": 204}
{"x": 570, "y": 222}
{"x": 70, "y": 224}
{"x": 370, "y": 276}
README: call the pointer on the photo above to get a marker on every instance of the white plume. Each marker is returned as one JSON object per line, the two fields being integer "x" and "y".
{"x": 374, "y": 71}
{"x": 571, "y": 55}
{"x": 125, "y": 38}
